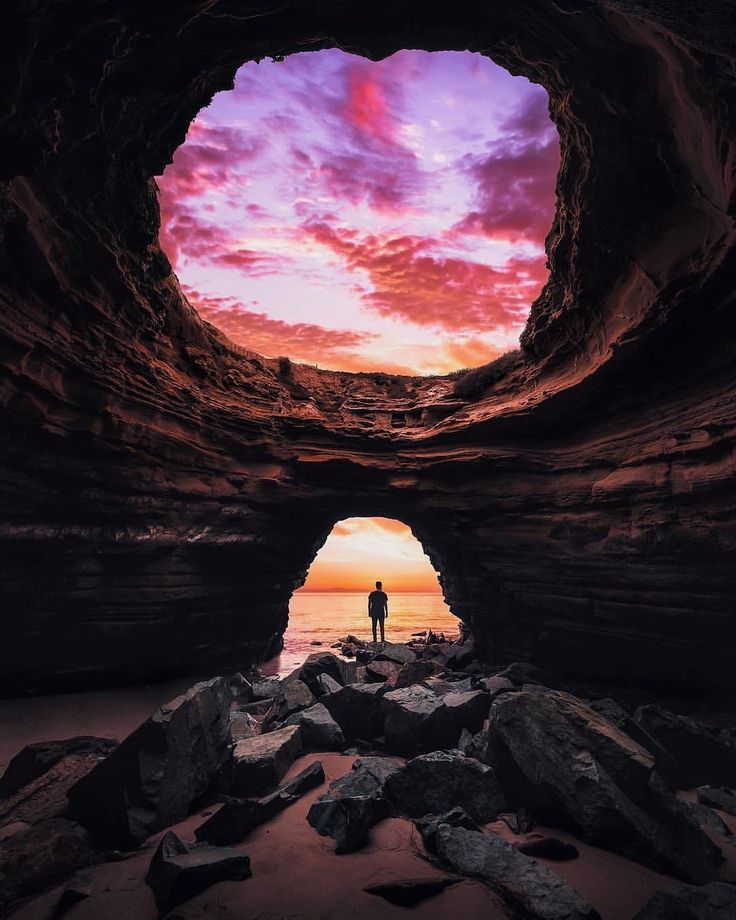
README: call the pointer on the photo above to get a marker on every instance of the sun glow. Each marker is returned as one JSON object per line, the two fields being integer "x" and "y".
{"x": 361, "y": 551}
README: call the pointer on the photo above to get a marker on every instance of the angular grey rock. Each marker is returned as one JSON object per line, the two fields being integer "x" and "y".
{"x": 455, "y": 817}
{"x": 716, "y": 901}
{"x": 410, "y": 892}
{"x": 555, "y": 755}
{"x": 434, "y": 783}
{"x": 152, "y": 778}
{"x": 324, "y": 684}
{"x": 704, "y": 816}
{"x": 495, "y": 685}
{"x": 724, "y": 798}
{"x": 36, "y": 759}
{"x": 319, "y": 664}
{"x": 378, "y": 671}
{"x": 178, "y": 872}
{"x": 700, "y": 755}
{"x": 266, "y": 689}
{"x": 357, "y": 709}
{"x": 414, "y": 672}
{"x": 529, "y": 888}
{"x": 259, "y": 763}
{"x": 293, "y": 696}
{"x": 398, "y": 653}
{"x": 237, "y": 817}
{"x": 611, "y": 710}
{"x": 468, "y": 709}
{"x": 243, "y": 725}
{"x": 320, "y": 731}
{"x": 353, "y": 804}
{"x": 417, "y": 721}
{"x": 41, "y": 855}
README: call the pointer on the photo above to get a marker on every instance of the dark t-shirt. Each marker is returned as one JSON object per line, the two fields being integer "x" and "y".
{"x": 377, "y": 601}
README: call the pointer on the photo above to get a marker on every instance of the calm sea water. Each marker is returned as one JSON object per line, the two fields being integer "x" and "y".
{"x": 330, "y": 616}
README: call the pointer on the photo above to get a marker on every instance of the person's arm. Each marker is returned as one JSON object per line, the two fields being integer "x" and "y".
{"x": 385, "y": 607}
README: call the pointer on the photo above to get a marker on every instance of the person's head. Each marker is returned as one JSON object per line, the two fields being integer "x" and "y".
{"x": 379, "y": 585}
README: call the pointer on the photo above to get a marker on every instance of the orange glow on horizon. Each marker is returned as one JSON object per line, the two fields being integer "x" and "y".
{"x": 361, "y": 551}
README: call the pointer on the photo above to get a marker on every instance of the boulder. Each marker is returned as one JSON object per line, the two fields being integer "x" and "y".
{"x": 398, "y": 653}
{"x": 460, "y": 655}
{"x": 293, "y": 696}
{"x": 707, "y": 818}
{"x": 455, "y": 817}
{"x": 357, "y": 709}
{"x": 266, "y": 689}
{"x": 716, "y": 901}
{"x": 36, "y": 759}
{"x": 434, "y": 783}
{"x": 568, "y": 764}
{"x": 324, "y": 684}
{"x": 539, "y": 845}
{"x": 524, "y": 672}
{"x": 495, "y": 685}
{"x": 530, "y": 889}
{"x": 412, "y": 891}
{"x": 417, "y": 721}
{"x": 378, "y": 671}
{"x": 467, "y": 710}
{"x": 237, "y": 817}
{"x": 414, "y": 672}
{"x": 615, "y": 713}
{"x": 724, "y": 798}
{"x": 319, "y": 730}
{"x": 319, "y": 664}
{"x": 353, "y": 804}
{"x": 442, "y": 686}
{"x": 40, "y": 856}
{"x": 178, "y": 872}
{"x": 259, "y": 763}
{"x": 152, "y": 778}
{"x": 243, "y": 725}
{"x": 478, "y": 746}
{"x": 699, "y": 754}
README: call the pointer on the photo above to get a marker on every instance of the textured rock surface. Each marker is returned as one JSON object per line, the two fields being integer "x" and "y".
{"x": 152, "y": 778}
{"x": 716, "y": 901}
{"x": 579, "y": 504}
{"x": 532, "y": 890}
{"x": 555, "y": 755}
{"x": 260, "y": 762}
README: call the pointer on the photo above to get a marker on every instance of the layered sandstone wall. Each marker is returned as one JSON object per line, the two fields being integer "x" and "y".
{"x": 163, "y": 492}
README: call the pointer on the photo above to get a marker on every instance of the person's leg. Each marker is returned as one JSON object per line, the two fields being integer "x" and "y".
{"x": 383, "y": 635}
{"x": 373, "y": 624}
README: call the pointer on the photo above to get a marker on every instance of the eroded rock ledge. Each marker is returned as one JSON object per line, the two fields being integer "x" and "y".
{"x": 165, "y": 491}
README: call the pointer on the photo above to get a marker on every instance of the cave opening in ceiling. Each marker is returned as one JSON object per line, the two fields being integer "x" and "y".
{"x": 366, "y": 216}
{"x": 333, "y": 602}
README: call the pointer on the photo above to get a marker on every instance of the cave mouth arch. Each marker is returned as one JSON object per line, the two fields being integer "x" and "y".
{"x": 359, "y": 215}
{"x": 332, "y": 602}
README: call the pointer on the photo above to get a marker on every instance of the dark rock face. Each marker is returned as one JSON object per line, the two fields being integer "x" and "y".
{"x": 41, "y": 855}
{"x": 716, "y": 901}
{"x": 318, "y": 729}
{"x": 237, "y": 817}
{"x": 699, "y": 755}
{"x": 725, "y": 799}
{"x": 357, "y": 709}
{"x": 178, "y": 872}
{"x": 259, "y": 763}
{"x": 152, "y": 778}
{"x": 353, "y": 804}
{"x": 578, "y": 500}
{"x": 455, "y": 817}
{"x": 435, "y": 783}
{"x": 565, "y": 762}
{"x": 530, "y": 889}
{"x": 35, "y": 759}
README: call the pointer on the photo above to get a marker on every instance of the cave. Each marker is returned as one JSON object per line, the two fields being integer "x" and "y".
{"x": 165, "y": 490}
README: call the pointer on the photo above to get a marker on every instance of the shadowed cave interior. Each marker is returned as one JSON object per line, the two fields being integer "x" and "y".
{"x": 165, "y": 491}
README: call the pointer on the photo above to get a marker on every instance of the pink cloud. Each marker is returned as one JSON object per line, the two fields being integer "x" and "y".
{"x": 516, "y": 181}
{"x": 410, "y": 283}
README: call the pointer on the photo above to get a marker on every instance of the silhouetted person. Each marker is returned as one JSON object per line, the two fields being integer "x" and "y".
{"x": 378, "y": 609}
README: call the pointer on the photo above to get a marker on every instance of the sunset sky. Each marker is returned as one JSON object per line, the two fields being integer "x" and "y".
{"x": 361, "y": 551}
{"x": 366, "y": 216}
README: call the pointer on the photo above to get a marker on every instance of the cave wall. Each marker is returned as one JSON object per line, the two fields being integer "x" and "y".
{"x": 164, "y": 491}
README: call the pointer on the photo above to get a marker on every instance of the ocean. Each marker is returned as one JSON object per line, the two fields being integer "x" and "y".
{"x": 327, "y": 617}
